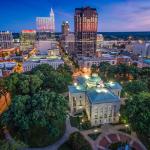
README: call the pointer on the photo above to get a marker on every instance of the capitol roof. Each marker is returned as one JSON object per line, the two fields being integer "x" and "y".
{"x": 95, "y": 89}
{"x": 102, "y": 95}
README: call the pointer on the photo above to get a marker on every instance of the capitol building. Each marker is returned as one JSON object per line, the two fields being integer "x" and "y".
{"x": 101, "y": 101}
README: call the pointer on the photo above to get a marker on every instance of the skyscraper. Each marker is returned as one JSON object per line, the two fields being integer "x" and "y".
{"x": 86, "y": 23}
{"x": 46, "y": 24}
{"x": 65, "y": 28}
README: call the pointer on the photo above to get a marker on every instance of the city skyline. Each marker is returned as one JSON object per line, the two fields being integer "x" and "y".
{"x": 127, "y": 15}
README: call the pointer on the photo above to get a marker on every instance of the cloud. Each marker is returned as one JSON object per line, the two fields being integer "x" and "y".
{"x": 129, "y": 16}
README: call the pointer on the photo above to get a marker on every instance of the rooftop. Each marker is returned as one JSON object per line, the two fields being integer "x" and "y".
{"x": 113, "y": 85}
{"x": 96, "y": 90}
{"x": 101, "y": 95}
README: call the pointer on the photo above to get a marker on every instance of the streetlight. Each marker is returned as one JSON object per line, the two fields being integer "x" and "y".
{"x": 95, "y": 132}
{"x": 126, "y": 125}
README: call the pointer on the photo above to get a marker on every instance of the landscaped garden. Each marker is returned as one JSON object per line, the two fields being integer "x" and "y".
{"x": 80, "y": 121}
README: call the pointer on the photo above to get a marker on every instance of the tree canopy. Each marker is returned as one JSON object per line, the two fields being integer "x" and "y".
{"x": 36, "y": 101}
{"x": 137, "y": 112}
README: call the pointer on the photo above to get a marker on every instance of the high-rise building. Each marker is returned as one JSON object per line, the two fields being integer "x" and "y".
{"x": 28, "y": 39}
{"x": 6, "y": 40}
{"x": 86, "y": 23}
{"x": 65, "y": 28}
{"x": 46, "y": 24}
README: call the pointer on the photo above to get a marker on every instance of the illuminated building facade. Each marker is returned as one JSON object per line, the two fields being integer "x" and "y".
{"x": 6, "y": 40}
{"x": 65, "y": 28}
{"x": 28, "y": 39}
{"x": 101, "y": 101}
{"x": 86, "y": 24}
{"x": 46, "y": 24}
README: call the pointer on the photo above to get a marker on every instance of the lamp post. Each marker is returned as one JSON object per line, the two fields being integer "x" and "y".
{"x": 126, "y": 125}
{"x": 95, "y": 132}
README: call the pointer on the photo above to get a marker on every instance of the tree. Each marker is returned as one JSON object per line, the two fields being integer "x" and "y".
{"x": 3, "y": 90}
{"x": 104, "y": 66}
{"x": 17, "y": 145}
{"x": 25, "y": 112}
{"x": 16, "y": 116}
{"x": 133, "y": 71}
{"x": 135, "y": 87}
{"x": 123, "y": 70}
{"x": 145, "y": 72}
{"x": 137, "y": 112}
{"x": 23, "y": 84}
{"x": 94, "y": 68}
{"x": 78, "y": 142}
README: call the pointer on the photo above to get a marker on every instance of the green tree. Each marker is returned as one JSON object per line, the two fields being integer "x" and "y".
{"x": 17, "y": 145}
{"x": 144, "y": 72}
{"x": 94, "y": 68}
{"x": 135, "y": 87}
{"x": 78, "y": 142}
{"x": 104, "y": 66}
{"x": 133, "y": 71}
{"x": 137, "y": 112}
{"x": 3, "y": 90}
{"x": 16, "y": 116}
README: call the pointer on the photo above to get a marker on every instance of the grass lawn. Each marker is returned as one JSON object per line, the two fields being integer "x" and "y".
{"x": 94, "y": 136}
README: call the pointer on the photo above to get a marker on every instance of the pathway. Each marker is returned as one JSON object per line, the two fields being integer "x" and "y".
{"x": 65, "y": 137}
{"x": 109, "y": 134}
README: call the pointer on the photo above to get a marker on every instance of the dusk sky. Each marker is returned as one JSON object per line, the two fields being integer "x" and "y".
{"x": 114, "y": 15}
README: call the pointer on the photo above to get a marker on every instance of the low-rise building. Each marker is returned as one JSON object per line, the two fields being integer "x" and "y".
{"x": 124, "y": 60}
{"x": 6, "y": 68}
{"x": 89, "y": 61}
{"x": 100, "y": 101}
{"x": 53, "y": 61}
{"x": 44, "y": 45}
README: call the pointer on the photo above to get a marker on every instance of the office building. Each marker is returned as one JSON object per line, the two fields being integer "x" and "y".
{"x": 46, "y": 24}
{"x": 28, "y": 39}
{"x": 68, "y": 43}
{"x": 86, "y": 24}
{"x": 6, "y": 40}
{"x": 65, "y": 28}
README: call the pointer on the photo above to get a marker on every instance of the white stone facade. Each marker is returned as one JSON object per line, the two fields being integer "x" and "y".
{"x": 101, "y": 104}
